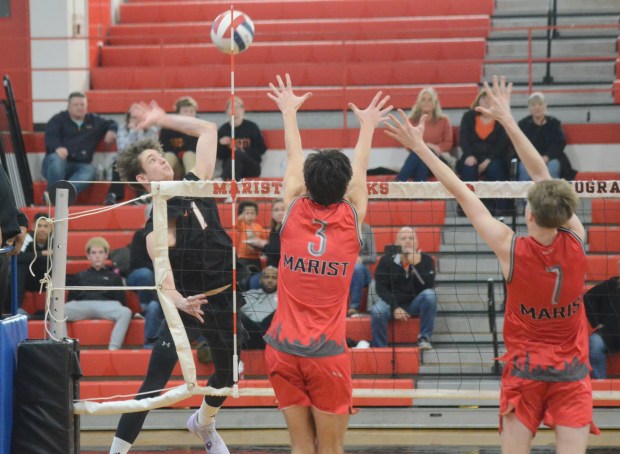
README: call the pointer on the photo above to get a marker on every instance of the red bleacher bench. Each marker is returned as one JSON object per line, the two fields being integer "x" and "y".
{"x": 601, "y": 267}
{"x": 130, "y": 217}
{"x": 606, "y": 211}
{"x": 606, "y": 385}
{"x": 604, "y": 239}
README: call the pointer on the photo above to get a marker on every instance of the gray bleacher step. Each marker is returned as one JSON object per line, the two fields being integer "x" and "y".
{"x": 570, "y": 72}
{"x": 448, "y": 339}
{"x": 469, "y": 278}
{"x": 450, "y": 292}
{"x": 564, "y": 7}
{"x": 466, "y": 306}
{"x": 498, "y": 24}
{"x": 467, "y": 387}
{"x": 573, "y": 47}
{"x": 466, "y": 323}
{"x": 480, "y": 263}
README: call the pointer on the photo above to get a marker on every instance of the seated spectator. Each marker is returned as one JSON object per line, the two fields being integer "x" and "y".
{"x": 71, "y": 137}
{"x": 127, "y": 134}
{"x": 180, "y": 148}
{"x": 271, "y": 249}
{"x": 437, "y": 135}
{"x": 486, "y": 150}
{"x": 141, "y": 274}
{"x": 546, "y": 134}
{"x": 99, "y": 304}
{"x": 249, "y": 145}
{"x": 31, "y": 270}
{"x": 405, "y": 284}
{"x": 602, "y": 303}
{"x": 259, "y": 308}
{"x": 251, "y": 236}
{"x": 361, "y": 273}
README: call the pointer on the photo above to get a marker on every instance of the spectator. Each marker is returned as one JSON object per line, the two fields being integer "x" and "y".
{"x": 405, "y": 282}
{"x": 127, "y": 134}
{"x": 602, "y": 304}
{"x": 141, "y": 274}
{"x": 99, "y": 304}
{"x": 546, "y": 134}
{"x": 31, "y": 269}
{"x": 251, "y": 236}
{"x": 271, "y": 249}
{"x": 361, "y": 273}
{"x": 180, "y": 148}
{"x": 486, "y": 149}
{"x": 259, "y": 308}
{"x": 71, "y": 137}
{"x": 437, "y": 135}
{"x": 249, "y": 145}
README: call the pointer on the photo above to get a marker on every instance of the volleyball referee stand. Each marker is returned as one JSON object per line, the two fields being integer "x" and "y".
{"x": 39, "y": 379}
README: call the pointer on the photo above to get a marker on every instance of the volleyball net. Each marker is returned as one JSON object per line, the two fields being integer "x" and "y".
{"x": 461, "y": 367}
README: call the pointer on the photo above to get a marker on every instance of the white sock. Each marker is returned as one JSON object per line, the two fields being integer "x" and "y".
{"x": 206, "y": 414}
{"x": 119, "y": 446}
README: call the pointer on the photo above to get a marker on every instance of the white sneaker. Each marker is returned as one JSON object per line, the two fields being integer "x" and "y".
{"x": 213, "y": 442}
{"x": 424, "y": 344}
{"x": 241, "y": 369}
{"x": 362, "y": 344}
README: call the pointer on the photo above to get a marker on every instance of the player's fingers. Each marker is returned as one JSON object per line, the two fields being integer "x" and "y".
{"x": 275, "y": 98}
{"x": 280, "y": 82}
{"x": 423, "y": 119}
{"x": 306, "y": 96}
{"x": 353, "y": 107}
{"x": 403, "y": 115}
{"x": 509, "y": 90}
{"x": 483, "y": 111}
{"x": 386, "y": 110}
{"x": 289, "y": 84}
{"x": 395, "y": 120}
{"x": 383, "y": 101}
{"x": 375, "y": 100}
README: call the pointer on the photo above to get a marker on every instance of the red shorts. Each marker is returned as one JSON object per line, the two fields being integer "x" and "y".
{"x": 554, "y": 403}
{"x": 323, "y": 383}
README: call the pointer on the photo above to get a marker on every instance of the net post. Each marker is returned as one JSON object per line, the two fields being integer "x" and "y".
{"x": 58, "y": 325}
{"x": 493, "y": 323}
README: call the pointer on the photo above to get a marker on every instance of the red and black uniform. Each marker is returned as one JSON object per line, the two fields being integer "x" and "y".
{"x": 319, "y": 248}
{"x": 546, "y": 334}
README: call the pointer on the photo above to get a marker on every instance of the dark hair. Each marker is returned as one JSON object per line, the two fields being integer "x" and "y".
{"x": 274, "y": 226}
{"x": 327, "y": 174}
{"x": 75, "y": 94}
{"x": 247, "y": 203}
{"x": 128, "y": 164}
{"x": 39, "y": 216}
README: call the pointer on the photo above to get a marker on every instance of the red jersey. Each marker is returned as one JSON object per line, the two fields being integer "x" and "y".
{"x": 319, "y": 248}
{"x": 545, "y": 325}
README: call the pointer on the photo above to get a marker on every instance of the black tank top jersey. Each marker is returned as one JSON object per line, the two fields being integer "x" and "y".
{"x": 202, "y": 257}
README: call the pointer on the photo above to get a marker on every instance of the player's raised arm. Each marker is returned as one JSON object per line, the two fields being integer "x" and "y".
{"x": 499, "y": 99}
{"x": 206, "y": 149}
{"x": 369, "y": 119}
{"x": 289, "y": 103}
{"x": 495, "y": 233}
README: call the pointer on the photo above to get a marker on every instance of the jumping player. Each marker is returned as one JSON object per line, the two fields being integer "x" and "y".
{"x": 306, "y": 354}
{"x": 201, "y": 260}
{"x": 546, "y": 378}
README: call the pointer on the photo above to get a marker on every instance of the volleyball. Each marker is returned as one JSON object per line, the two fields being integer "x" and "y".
{"x": 243, "y": 31}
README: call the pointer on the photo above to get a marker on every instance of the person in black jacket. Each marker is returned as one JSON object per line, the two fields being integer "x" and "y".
{"x": 13, "y": 230}
{"x": 141, "y": 274}
{"x": 546, "y": 134}
{"x": 36, "y": 242}
{"x": 180, "y": 148}
{"x": 404, "y": 284}
{"x": 602, "y": 304}
{"x": 71, "y": 137}
{"x": 99, "y": 304}
{"x": 249, "y": 145}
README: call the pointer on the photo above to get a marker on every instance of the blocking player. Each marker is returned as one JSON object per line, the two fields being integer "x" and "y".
{"x": 546, "y": 378}
{"x": 306, "y": 354}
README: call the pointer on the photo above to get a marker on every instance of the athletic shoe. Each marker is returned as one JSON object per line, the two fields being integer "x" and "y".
{"x": 362, "y": 344}
{"x": 213, "y": 442}
{"x": 424, "y": 344}
{"x": 110, "y": 199}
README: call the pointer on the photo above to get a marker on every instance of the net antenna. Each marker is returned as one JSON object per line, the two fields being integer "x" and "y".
{"x": 403, "y": 202}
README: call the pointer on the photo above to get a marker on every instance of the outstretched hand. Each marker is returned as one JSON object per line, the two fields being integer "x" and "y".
{"x": 284, "y": 97}
{"x": 147, "y": 115}
{"x": 499, "y": 99}
{"x": 191, "y": 305}
{"x": 375, "y": 113}
{"x": 411, "y": 137}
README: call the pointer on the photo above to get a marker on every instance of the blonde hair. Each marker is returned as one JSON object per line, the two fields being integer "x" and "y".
{"x": 97, "y": 241}
{"x": 416, "y": 111}
{"x": 185, "y": 101}
{"x": 552, "y": 203}
{"x": 481, "y": 94}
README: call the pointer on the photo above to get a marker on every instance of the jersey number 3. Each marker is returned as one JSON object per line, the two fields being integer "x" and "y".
{"x": 312, "y": 248}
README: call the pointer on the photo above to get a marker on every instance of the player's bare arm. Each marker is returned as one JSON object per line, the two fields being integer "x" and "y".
{"x": 206, "y": 149}
{"x": 191, "y": 304}
{"x": 369, "y": 118}
{"x": 499, "y": 109}
{"x": 289, "y": 103}
{"x": 495, "y": 233}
